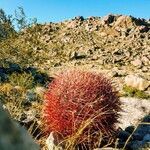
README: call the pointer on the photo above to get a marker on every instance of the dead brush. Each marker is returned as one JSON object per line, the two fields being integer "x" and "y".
{"x": 12, "y": 99}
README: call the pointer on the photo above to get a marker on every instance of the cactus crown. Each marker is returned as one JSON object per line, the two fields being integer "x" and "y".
{"x": 74, "y": 97}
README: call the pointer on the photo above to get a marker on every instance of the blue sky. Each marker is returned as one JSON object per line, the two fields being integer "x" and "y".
{"x": 59, "y": 10}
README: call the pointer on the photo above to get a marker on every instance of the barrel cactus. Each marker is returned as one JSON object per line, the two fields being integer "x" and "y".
{"x": 75, "y": 97}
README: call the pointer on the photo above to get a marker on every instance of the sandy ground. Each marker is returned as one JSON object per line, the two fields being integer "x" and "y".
{"x": 134, "y": 110}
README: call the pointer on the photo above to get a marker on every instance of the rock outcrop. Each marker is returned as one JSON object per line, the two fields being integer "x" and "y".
{"x": 12, "y": 136}
{"x": 137, "y": 82}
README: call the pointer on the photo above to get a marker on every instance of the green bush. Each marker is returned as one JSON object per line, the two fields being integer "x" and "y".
{"x": 6, "y": 26}
{"x": 133, "y": 92}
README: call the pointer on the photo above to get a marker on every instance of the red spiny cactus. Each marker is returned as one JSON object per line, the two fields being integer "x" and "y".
{"x": 75, "y": 96}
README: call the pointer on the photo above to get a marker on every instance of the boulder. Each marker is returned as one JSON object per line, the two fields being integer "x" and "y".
{"x": 124, "y": 22}
{"x": 145, "y": 60}
{"x": 108, "y": 19}
{"x": 146, "y": 138}
{"x": 137, "y": 63}
{"x": 137, "y": 82}
{"x": 81, "y": 18}
{"x": 3, "y": 77}
{"x": 12, "y": 136}
{"x": 143, "y": 28}
{"x": 52, "y": 143}
{"x": 77, "y": 55}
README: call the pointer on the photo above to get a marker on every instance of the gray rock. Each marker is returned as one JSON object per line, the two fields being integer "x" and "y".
{"x": 145, "y": 60}
{"x": 103, "y": 34}
{"x": 143, "y": 29}
{"x": 50, "y": 142}
{"x": 145, "y": 69}
{"x": 77, "y": 55}
{"x": 12, "y": 136}
{"x": 137, "y": 136}
{"x": 3, "y": 77}
{"x": 31, "y": 96}
{"x": 120, "y": 144}
{"x": 142, "y": 131}
{"x": 114, "y": 74}
{"x": 137, "y": 63}
{"x": 2, "y": 70}
{"x": 130, "y": 129}
{"x": 146, "y": 119}
{"x": 81, "y": 18}
{"x": 14, "y": 68}
{"x": 134, "y": 145}
{"x": 146, "y": 138}
{"x": 123, "y": 135}
{"x": 108, "y": 19}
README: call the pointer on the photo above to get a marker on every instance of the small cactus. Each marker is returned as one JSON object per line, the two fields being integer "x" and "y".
{"x": 75, "y": 96}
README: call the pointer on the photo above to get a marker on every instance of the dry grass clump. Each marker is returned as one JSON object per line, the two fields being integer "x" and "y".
{"x": 12, "y": 98}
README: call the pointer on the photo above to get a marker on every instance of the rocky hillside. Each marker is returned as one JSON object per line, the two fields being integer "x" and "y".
{"x": 114, "y": 42}
{"x": 114, "y": 39}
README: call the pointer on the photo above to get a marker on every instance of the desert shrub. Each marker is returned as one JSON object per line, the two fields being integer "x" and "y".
{"x": 133, "y": 92}
{"x": 17, "y": 75}
{"x": 12, "y": 98}
{"x": 23, "y": 80}
{"x": 80, "y": 105}
{"x": 6, "y": 27}
{"x": 17, "y": 99}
